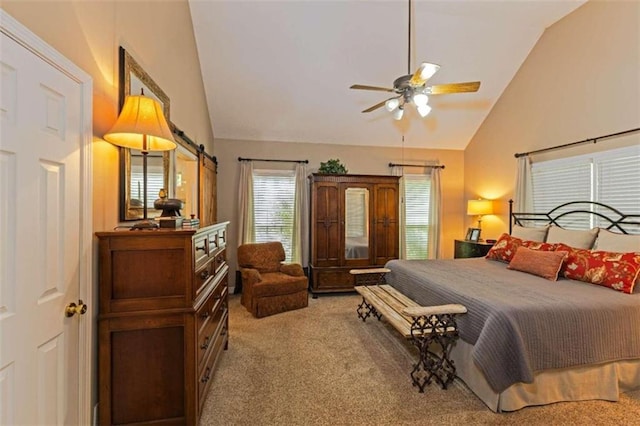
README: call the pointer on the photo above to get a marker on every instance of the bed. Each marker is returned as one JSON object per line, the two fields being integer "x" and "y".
{"x": 527, "y": 340}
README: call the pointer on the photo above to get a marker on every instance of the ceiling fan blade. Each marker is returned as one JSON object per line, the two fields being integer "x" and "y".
{"x": 442, "y": 89}
{"x": 423, "y": 73}
{"x": 378, "y": 105}
{"x": 362, "y": 87}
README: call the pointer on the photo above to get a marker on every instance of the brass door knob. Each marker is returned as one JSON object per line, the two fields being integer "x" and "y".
{"x": 72, "y": 309}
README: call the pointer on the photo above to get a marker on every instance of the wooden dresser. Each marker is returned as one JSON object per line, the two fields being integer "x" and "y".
{"x": 354, "y": 224}
{"x": 163, "y": 323}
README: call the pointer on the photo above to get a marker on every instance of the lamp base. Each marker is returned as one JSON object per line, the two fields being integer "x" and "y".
{"x": 144, "y": 225}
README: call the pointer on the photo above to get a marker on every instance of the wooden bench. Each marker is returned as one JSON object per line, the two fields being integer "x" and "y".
{"x": 424, "y": 325}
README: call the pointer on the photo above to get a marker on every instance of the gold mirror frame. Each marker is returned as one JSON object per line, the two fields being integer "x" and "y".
{"x": 133, "y": 77}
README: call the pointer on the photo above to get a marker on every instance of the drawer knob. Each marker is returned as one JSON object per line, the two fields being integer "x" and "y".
{"x": 205, "y": 314}
{"x": 204, "y": 274}
{"x": 205, "y": 345}
{"x": 206, "y": 376}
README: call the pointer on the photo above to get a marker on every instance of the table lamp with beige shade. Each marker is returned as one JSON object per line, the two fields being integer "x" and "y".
{"x": 142, "y": 125}
{"x": 479, "y": 208}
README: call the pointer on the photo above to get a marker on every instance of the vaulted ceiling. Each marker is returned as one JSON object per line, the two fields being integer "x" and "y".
{"x": 281, "y": 70}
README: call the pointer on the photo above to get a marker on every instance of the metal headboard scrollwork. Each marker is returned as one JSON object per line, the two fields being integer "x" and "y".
{"x": 576, "y": 213}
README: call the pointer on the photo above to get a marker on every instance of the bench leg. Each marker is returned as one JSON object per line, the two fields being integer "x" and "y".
{"x": 441, "y": 331}
{"x": 365, "y": 309}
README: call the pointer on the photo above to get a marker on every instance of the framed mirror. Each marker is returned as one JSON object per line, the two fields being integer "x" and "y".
{"x": 356, "y": 223}
{"x": 134, "y": 80}
{"x": 186, "y": 171}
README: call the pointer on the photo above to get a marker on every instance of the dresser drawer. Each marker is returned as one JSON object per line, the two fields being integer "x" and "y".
{"x": 210, "y": 323}
{"x": 220, "y": 259}
{"x": 200, "y": 250}
{"x": 212, "y": 356}
{"x": 203, "y": 276}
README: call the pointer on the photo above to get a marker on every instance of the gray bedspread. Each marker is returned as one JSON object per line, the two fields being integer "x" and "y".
{"x": 520, "y": 323}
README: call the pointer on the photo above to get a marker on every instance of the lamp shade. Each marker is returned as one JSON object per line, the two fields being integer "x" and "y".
{"x": 479, "y": 207}
{"x": 141, "y": 125}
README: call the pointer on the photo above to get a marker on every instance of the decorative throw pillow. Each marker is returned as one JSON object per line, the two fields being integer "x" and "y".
{"x": 618, "y": 271}
{"x": 545, "y": 264}
{"x": 531, "y": 234}
{"x": 620, "y": 243}
{"x": 537, "y": 245}
{"x": 572, "y": 238}
{"x": 505, "y": 248}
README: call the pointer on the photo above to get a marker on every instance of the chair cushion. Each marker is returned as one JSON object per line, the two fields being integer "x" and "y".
{"x": 265, "y": 257}
{"x": 276, "y": 283}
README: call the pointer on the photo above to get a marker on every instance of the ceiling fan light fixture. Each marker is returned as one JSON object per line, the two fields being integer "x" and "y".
{"x": 423, "y": 110}
{"x": 392, "y": 104}
{"x": 427, "y": 70}
{"x": 398, "y": 113}
{"x": 419, "y": 98}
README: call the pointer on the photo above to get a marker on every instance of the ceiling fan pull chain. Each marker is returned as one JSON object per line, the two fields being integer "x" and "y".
{"x": 409, "y": 50}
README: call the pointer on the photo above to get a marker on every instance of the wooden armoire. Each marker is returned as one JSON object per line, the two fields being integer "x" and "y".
{"x": 354, "y": 224}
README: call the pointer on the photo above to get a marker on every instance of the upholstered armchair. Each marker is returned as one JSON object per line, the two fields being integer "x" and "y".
{"x": 268, "y": 285}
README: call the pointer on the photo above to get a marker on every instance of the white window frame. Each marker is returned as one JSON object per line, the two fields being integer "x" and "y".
{"x": 584, "y": 175}
{"x": 285, "y": 235}
{"x": 412, "y": 220}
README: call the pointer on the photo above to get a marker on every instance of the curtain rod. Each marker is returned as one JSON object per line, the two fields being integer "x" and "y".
{"x": 566, "y": 145}
{"x": 433, "y": 166}
{"x": 274, "y": 161}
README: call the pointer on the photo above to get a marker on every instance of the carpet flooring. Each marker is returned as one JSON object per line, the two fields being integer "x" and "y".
{"x": 323, "y": 366}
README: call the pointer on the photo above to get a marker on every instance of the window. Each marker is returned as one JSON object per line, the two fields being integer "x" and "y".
{"x": 609, "y": 177}
{"x": 273, "y": 204}
{"x": 417, "y": 191}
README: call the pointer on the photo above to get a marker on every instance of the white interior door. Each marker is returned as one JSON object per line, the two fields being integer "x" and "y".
{"x": 43, "y": 244}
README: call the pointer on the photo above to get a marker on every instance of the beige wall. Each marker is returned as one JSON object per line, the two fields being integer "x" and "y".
{"x": 158, "y": 34}
{"x": 357, "y": 159}
{"x": 581, "y": 80}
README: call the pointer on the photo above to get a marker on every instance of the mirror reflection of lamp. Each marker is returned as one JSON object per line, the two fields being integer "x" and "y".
{"x": 479, "y": 208}
{"x": 141, "y": 125}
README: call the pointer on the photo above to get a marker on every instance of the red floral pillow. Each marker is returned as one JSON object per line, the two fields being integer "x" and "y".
{"x": 505, "y": 248}
{"x": 614, "y": 270}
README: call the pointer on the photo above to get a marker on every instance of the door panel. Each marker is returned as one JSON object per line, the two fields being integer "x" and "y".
{"x": 40, "y": 191}
{"x": 386, "y": 223}
{"x": 326, "y": 221}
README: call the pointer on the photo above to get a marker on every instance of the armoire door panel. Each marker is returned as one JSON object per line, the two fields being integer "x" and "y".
{"x": 326, "y": 223}
{"x": 386, "y": 223}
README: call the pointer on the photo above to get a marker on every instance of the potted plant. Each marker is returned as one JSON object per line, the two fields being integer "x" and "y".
{"x": 332, "y": 167}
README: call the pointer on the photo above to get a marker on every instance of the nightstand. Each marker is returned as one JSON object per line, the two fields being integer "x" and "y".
{"x": 464, "y": 249}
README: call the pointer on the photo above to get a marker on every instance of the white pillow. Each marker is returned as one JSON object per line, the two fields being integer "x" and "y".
{"x": 572, "y": 238}
{"x": 617, "y": 243}
{"x": 530, "y": 234}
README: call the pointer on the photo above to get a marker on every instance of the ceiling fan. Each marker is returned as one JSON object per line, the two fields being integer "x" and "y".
{"x": 411, "y": 88}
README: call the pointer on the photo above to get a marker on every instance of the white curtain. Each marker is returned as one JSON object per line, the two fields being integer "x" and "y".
{"x": 399, "y": 171}
{"x": 523, "y": 202}
{"x": 300, "y": 243}
{"x": 246, "y": 230}
{"x": 435, "y": 215}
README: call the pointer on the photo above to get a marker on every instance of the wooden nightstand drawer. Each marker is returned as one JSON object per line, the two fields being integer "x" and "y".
{"x": 465, "y": 249}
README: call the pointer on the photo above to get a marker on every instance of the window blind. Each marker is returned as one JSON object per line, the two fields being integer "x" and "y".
{"x": 609, "y": 177}
{"x": 273, "y": 204}
{"x": 155, "y": 182}
{"x": 416, "y": 195}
